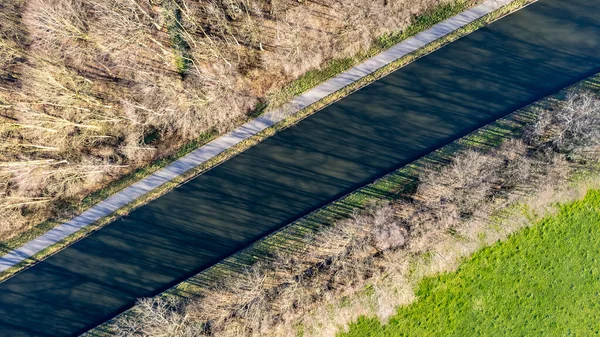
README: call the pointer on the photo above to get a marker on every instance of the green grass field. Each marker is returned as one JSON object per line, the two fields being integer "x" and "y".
{"x": 543, "y": 281}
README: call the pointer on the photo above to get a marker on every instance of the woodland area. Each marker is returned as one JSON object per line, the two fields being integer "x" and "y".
{"x": 92, "y": 90}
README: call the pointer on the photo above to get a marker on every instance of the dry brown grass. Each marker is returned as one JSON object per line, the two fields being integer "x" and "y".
{"x": 367, "y": 265}
{"x": 91, "y": 90}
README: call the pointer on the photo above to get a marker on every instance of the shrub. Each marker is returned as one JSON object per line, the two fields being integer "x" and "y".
{"x": 158, "y": 317}
{"x": 573, "y": 126}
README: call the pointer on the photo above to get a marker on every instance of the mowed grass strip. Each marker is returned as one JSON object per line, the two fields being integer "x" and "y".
{"x": 542, "y": 281}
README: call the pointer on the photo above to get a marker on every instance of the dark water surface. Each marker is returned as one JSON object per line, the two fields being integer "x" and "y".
{"x": 382, "y": 127}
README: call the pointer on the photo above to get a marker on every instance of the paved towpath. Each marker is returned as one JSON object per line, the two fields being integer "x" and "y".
{"x": 419, "y": 108}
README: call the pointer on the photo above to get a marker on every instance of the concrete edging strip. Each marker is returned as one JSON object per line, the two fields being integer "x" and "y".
{"x": 217, "y": 146}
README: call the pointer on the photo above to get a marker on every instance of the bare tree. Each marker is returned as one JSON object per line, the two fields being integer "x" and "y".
{"x": 461, "y": 186}
{"x": 158, "y": 317}
{"x": 573, "y": 126}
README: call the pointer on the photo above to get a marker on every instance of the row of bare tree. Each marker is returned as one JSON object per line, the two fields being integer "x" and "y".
{"x": 302, "y": 289}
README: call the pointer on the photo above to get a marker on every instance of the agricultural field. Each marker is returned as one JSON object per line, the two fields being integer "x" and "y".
{"x": 544, "y": 280}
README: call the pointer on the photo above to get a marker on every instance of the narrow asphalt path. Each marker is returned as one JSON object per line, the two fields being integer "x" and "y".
{"x": 382, "y": 127}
